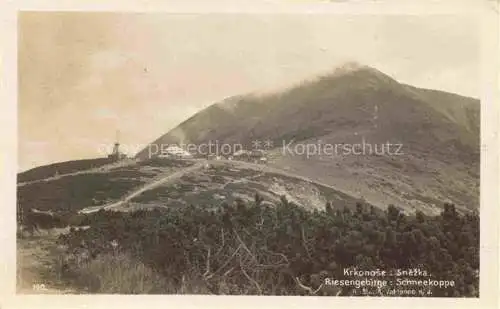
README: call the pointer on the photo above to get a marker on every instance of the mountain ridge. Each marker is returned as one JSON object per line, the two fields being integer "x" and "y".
{"x": 438, "y": 130}
{"x": 251, "y": 110}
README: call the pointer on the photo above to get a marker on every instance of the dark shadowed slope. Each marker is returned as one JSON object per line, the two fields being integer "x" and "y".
{"x": 361, "y": 100}
{"x": 439, "y": 132}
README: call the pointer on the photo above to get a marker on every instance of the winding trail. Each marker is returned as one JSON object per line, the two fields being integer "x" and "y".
{"x": 199, "y": 165}
{"x": 101, "y": 169}
{"x": 274, "y": 170}
{"x": 147, "y": 187}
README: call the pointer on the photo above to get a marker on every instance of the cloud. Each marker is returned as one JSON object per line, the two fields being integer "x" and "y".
{"x": 105, "y": 113}
{"x": 108, "y": 60}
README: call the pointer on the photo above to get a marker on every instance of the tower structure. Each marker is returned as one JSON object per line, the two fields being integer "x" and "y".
{"x": 116, "y": 150}
{"x": 116, "y": 154}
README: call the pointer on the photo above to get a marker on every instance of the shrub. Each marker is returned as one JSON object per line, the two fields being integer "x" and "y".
{"x": 252, "y": 248}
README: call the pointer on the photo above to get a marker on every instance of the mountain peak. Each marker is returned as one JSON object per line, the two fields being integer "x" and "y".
{"x": 352, "y": 67}
{"x": 363, "y": 74}
{"x": 349, "y": 66}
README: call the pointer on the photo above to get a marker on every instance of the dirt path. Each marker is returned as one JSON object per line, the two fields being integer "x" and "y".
{"x": 36, "y": 266}
{"x": 149, "y": 186}
{"x": 274, "y": 170}
{"x": 198, "y": 165}
{"x": 101, "y": 169}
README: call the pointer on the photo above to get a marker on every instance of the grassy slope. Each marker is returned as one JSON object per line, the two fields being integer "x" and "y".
{"x": 209, "y": 187}
{"x": 226, "y": 183}
{"x": 61, "y": 168}
{"x": 74, "y": 192}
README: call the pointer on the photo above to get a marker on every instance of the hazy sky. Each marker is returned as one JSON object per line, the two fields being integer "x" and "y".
{"x": 83, "y": 76}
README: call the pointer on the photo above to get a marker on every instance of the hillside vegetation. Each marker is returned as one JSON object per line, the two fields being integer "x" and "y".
{"x": 203, "y": 185}
{"x": 70, "y": 193}
{"x": 60, "y": 168}
{"x": 250, "y": 248}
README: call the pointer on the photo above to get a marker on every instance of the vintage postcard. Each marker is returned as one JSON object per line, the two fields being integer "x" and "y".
{"x": 341, "y": 152}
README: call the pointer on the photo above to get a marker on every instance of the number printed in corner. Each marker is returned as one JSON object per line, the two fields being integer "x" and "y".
{"x": 39, "y": 287}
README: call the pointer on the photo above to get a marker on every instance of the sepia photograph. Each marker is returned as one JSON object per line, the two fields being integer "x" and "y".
{"x": 164, "y": 153}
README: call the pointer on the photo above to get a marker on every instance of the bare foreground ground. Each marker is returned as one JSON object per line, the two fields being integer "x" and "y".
{"x": 37, "y": 260}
